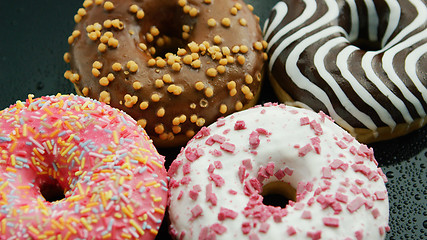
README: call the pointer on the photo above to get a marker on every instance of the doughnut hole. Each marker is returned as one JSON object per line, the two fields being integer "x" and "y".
{"x": 278, "y": 194}
{"x": 167, "y": 30}
{"x": 51, "y": 190}
{"x": 367, "y": 45}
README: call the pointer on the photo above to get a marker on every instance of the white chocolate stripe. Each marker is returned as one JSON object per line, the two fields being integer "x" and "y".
{"x": 410, "y": 68}
{"x": 319, "y": 63}
{"x": 393, "y": 22}
{"x": 330, "y": 15}
{"x": 342, "y": 63}
{"x": 372, "y": 76}
{"x": 305, "y": 15}
{"x": 304, "y": 83}
{"x": 372, "y": 20}
{"x": 281, "y": 10}
{"x": 354, "y": 32}
{"x": 419, "y": 21}
{"x": 389, "y": 69}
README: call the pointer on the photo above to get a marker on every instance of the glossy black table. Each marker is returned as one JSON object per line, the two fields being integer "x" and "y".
{"x": 33, "y": 39}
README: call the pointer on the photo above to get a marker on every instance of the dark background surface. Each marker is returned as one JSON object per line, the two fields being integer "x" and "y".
{"x": 33, "y": 39}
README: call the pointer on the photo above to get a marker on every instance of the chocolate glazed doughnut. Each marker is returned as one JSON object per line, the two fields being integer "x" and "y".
{"x": 362, "y": 62}
{"x": 174, "y": 66}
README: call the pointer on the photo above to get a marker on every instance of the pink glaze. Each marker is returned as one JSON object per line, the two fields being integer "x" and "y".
{"x": 217, "y": 179}
{"x": 114, "y": 180}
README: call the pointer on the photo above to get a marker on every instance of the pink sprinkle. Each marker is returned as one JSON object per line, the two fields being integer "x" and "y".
{"x": 331, "y": 222}
{"x": 315, "y": 235}
{"x": 204, "y": 233}
{"x": 239, "y": 125}
{"x": 316, "y": 144}
{"x": 193, "y": 154}
{"x": 304, "y": 121}
{"x": 203, "y": 132}
{"x": 336, "y": 206}
{"x": 232, "y": 192}
{"x": 193, "y": 195}
{"x": 336, "y": 164}
{"x": 327, "y": 174}
{"x": 324, "y": 116}
{"x": 218, "y": 138}
{"x": 196, "y": 211}
{"x": 220, "y": 122}
{"x": 197, "y": 188}
{"x": 218, "y": 228}
{"x": 304, "y": 150}
{"x": 279, "y": 174}
{"x": 226, "y": 213}
{"x": 361, "y": 168}
{"x": 381, "y": 195}
{"x": 264, "y": 227}
{"x": 359, "y": 182}
{"x": 359, "y": 234}
{"x": 210, "y": 141}
{"x": 186, "y": 168}
{"x": 174, "y": 167}
{"x": 353, "y": 150}
{"x": 299, "y": 206}
{"x": 376, "y": 213}
{"x": 185, "y": 180}
{"x": 180, "y": 195}
{"x": 254, "y": 139}
{"x": 289, "y": 171}
{"x": 341, "y": 197}
{"x": 341, "y": 144}
{"x": 246, "y": 227}
{"x": 365, "y": 192}
{"x": 355, "y": 204}
{"x": 211, "y": 168}
{"x": 291, "y": 231}
{"x": 217, "y": 179}
{"x": 247, "y": 163}
{"x": 306, "y": 215}
{"x": 344, "y": 167}
{"x": 262, "y": 131}
{"x": 213, "y": 199}
{"x": 218, "y": 164}
{"x": 253, "y": 236}
{"x": 241, "y": 173}
{"x": 228, "y": 147}
{"x": 270, "y": 169}
{"x": 277, "y": 218}
{"x": 347, "y": 137}
{"x": 316, "y": 127}
{"x": 216, "y": 153}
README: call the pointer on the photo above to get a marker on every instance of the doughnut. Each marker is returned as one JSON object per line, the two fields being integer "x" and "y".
{"x": 219, "y": 180}
{"x": 361, "y": 62}
{"x": 75, "y": 168}
{"x": 173, "y": 65}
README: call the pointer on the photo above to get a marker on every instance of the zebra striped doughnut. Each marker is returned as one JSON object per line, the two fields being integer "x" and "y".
{"x": 361, "y": 61}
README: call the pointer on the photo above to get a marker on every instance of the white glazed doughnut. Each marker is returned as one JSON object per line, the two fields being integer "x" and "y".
{"x": 216, "y": 180}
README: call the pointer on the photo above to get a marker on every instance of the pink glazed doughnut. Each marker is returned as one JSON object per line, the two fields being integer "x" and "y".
{"x": 219, "y": 179}
{"x": 111, "y": 176}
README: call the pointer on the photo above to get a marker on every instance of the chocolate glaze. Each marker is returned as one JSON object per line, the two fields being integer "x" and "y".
{"x": 380, "y": 83}
{"x": 169, "y": 18}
